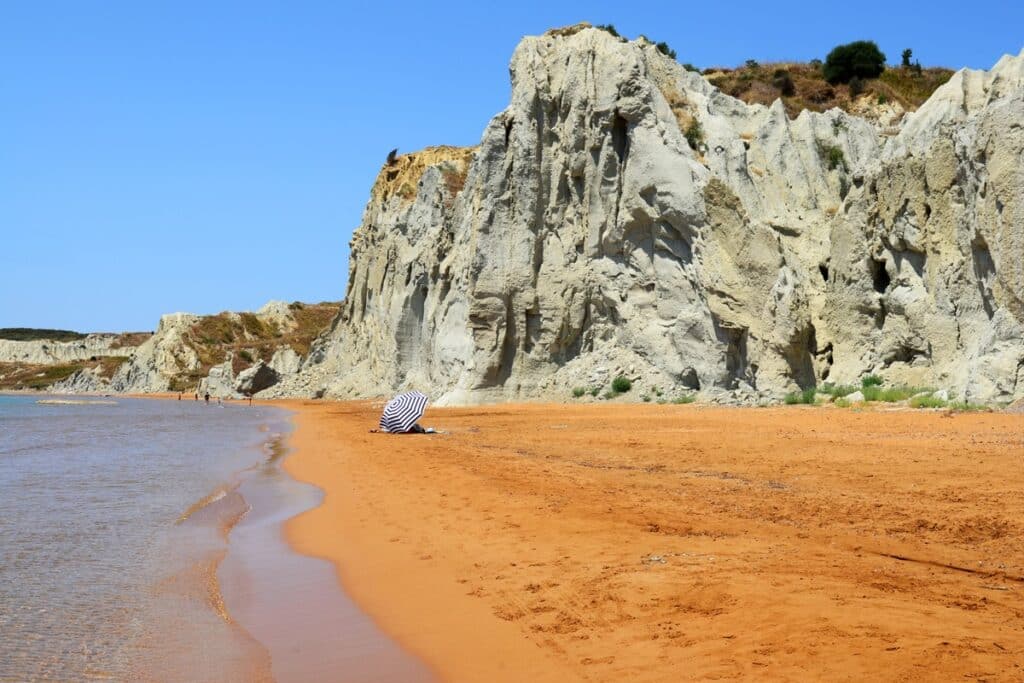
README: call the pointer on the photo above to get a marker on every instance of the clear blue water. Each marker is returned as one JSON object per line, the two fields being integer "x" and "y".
{"x": 99, "y": 558}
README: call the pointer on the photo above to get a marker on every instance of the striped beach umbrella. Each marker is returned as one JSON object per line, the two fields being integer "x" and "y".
{"x": 401, "y": 412}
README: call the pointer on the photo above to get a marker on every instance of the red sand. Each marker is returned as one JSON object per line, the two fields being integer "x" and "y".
{"x": 659, "y": 543}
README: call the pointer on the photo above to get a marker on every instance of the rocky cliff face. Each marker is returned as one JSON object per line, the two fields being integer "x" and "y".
{"x": 623, "y": 215}
{"x": 226, "y": 354}
{"x": 49, "y": 352}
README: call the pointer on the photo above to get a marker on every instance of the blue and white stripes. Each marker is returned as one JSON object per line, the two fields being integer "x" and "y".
{"x": 401, "y": 412}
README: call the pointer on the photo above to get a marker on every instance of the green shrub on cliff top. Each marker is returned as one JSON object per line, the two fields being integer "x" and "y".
{"x": 860, "y": 59}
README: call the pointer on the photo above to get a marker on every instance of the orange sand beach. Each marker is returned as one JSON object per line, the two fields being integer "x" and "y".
{"x": 664, "y": 543}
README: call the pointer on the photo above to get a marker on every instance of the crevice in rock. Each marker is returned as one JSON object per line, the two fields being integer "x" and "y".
{"x": 689, "y": 379}
{"x": 562, "y": 192}
{"x": 446, "y": 288}
{"x": 620, "y": 138}
{"x": 799, "y": 355}
{"x": 879, "y": 276}
{"x": 410, "y": 326}
{"x": 737, "y": 366}
{"x": 880, "y": 315}
{"x": 984, "y": 271}
{"x": 533, "y": 329}
{"x": 823, "y": 269}
{"x": 508, "y": 131}
{"x": 508, "y": 346}
{"x": 825, "y": 360}
{"x": 904, "y": 353}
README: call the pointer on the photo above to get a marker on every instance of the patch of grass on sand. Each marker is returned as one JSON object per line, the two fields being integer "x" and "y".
{"x": 578, "y": 391}
{"x": 871, "y": 381}
{"x": 927, "y": 401}
{"x": 966, "y": 407}
{"x": 838, "y": 390}
{"x": 807, "y": 396}
{"x": 841, "y": 403}
{"x": 594, "y": 391}
{"x": 892, "y": 394}
{"x": 684, "y": 398}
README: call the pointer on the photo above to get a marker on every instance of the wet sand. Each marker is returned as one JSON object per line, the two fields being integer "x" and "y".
{"x": 292, "y": 604}
{"x": 663, "y": 543}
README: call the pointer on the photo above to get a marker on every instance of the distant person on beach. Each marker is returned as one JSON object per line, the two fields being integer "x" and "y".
{"x": 207, "y": 397}
{"x": 179, "y": 395}
{"x": 197, "y": 395}
{"x": 250, "y": 399}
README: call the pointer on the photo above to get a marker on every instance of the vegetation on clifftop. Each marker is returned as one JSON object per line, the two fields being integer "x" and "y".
{"x": 247, "y": 338}
{"x": 37, "y": 334}
{"x": 804, "y": 86}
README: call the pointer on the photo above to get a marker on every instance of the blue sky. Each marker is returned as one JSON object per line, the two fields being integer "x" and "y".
{"x": 203, "y": 156}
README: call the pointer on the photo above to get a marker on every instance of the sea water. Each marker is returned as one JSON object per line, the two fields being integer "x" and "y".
{"x": 114, "y": 517}
{"x": 143, "y": 540}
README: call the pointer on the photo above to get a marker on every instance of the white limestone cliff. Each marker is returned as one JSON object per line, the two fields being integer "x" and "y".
{"x": 585, "y": 237}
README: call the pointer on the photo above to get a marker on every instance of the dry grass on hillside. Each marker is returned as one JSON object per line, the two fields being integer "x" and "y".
{"x": 764, "y": 83}
{"x": 250, "y": 338}
{"x": 130, "y": 339}
{"x": 20, "y": 376}
{"x": 402, "y": 177}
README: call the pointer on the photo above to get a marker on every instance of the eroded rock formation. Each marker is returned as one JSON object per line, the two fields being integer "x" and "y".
{"x": 622, "y": 214}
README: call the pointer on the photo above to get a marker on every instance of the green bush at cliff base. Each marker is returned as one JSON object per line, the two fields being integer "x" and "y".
{"x": 837, "y": 390}
{"x": 807, "y": 396}
{"x": 966, "y": 407}
{"x": 928, "y": 401}
{"x": 892, "y": 394}
{"x": 621, "y": 385}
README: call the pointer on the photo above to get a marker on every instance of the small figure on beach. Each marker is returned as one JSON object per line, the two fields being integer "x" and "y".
{"x": 197, "y": 395}
{"x": 179, "y": 395}
{"x": 250, "y": 399}
{"x": 207, "y": 397}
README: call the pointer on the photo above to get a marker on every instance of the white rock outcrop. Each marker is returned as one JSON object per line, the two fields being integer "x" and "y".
{"x": 586, "y": 232}
{"x": 255, "y": 379}
{"x": 47, "y": 352}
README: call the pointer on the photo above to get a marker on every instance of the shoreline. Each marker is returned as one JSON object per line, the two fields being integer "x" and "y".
{"x": 291, "y": 603}
{"x": 558, "y": 542}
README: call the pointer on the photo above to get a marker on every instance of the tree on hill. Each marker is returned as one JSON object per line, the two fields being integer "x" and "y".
{"x": 861, "y": 59}
{"x": 906, "y": 57}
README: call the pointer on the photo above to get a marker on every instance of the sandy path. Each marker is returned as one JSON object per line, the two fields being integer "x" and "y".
{"x": 662, "y": 543}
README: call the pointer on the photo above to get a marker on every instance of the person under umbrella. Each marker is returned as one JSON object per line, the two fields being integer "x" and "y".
{"x": 401, "y": 413}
